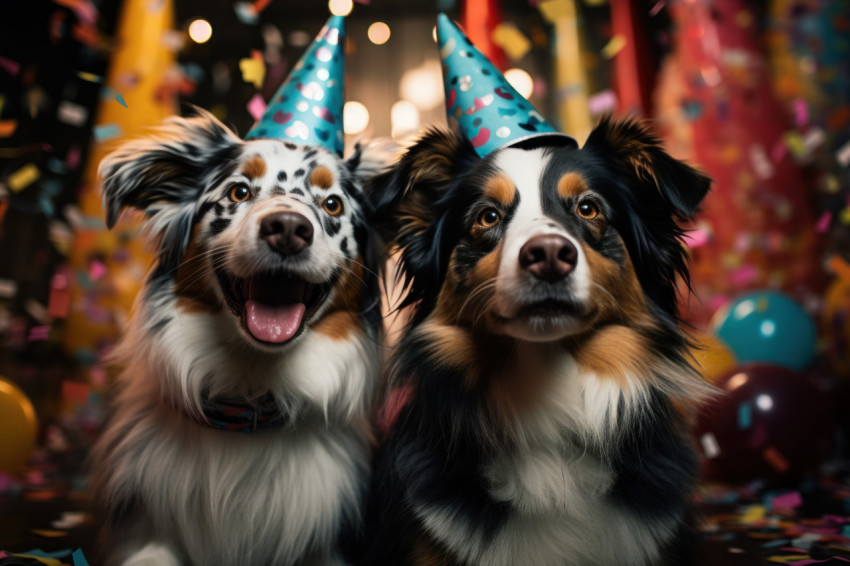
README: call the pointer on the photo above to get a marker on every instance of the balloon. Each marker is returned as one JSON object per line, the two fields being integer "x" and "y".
{"x": 712, "y": 356}
{"x": 771, "y": 422}
{"x": 767, "y": 326}
{"x": 835, "y": 322}
{"x": 18, "y": 428}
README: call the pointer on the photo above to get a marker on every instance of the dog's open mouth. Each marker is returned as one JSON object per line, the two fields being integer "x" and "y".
{"x": 550, "y": 308}
{"x": 274, "y": 306}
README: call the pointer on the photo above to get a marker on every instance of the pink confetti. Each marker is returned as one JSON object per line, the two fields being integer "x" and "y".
{"x": 780, "y": 150}
{"x": 11, "y": 67}
{"x": 807, "y": 561}
{"x": 256, "y": 106}
{"x": 602, "y": 102}
{"x": 96, "y": 270}
{"x": 73, "y": 157}
{"x": 657, "y": 8}
{"x": 801, "y": 112}
{"x": 39, "y": 333}
{"x": 744, "y": 276}
{"x": 697, "y": 238}
{"x": 823, "y": 222}
{"x": 787, "y": 500}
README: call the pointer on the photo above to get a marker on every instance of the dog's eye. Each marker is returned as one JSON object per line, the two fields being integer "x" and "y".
{"x": 239, "y": 193}
{"x": 587, "y": 209}
{"x": 489, "y": 217}
{"x": 332, "y": 205}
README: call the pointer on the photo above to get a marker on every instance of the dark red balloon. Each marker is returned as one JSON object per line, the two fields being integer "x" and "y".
{"x": 770, "y": 422}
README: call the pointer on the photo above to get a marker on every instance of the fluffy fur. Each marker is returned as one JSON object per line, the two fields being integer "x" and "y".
{"x": 170, "y": 489}
{"x": 549, "y": 388}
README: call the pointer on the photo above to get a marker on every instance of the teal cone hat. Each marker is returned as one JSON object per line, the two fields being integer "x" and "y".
{"x": 490, "y": 113}
{"x": 307, "y": 108}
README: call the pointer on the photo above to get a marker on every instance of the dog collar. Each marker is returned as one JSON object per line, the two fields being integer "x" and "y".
{"x": 235, "y": 416}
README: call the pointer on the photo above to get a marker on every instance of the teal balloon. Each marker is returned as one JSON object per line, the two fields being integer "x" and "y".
{"x": 767, "y": 326}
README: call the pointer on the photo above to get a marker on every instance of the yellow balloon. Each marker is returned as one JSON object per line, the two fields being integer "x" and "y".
{"x": 18, "y": 428}
{"x": 712, "y": 357}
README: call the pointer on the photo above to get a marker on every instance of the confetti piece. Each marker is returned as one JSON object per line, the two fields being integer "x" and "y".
{"x": 813, "y": 139}
{"x": 795, "y": 143}
{"x": 511, "y": 40}
{"x": 697, "y": 238}
{"x": 754, "y": 513}
{"x": 709, "y": 445}
{"x": 614, "y": 46}
{"x": 106, "y": 132}
{"x": 75, "y": 391}
{"x": 555, "y": 10}
{"x": 72, "y": 113}
{"x": 49, "y": 533}
{"x": 119, "y": 98}
{"x": 253, "y": 69}
{"x": 78, "y": 558}
{"x": 775, "y": 458}
{"x": 42, "y": 559}
{"x": 656, "y": 9}
{"x": 7, "y": 128}
{"x": 90, "y": 77}
{"x": 744, "y": 275}
{"x": 8, "y": 288}
{"x": 801, "y": 112}
{"x": 761, "y": 163}
{"x": 256, "y": 106}
{"x": 602, "y": 102}
{"x": 843, "y": 155}
{"x": 245, "y": 13}
{"x": 745, "y": 416}
{"x": 788, "y": 500}
{"x": 69, "y": 520}
{"x": 823, "y": 222}
{"x": 11, "y": 67}
{"x": 840, "y": 267}
{"x": 787, "y": 559}
{"x": 23, "y": 177}
{"x": 37, "y": 311}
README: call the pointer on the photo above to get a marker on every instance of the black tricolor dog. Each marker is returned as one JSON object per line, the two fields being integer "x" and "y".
{"x": 550, "y": 385}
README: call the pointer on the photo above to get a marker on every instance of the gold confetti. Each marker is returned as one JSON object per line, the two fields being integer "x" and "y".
{"x": 511, "y": 40}
{"x": 617, "y": 43}
{"x": 23, "y": 177}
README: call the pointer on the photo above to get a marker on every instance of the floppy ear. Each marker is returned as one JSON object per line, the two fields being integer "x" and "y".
{"x": 164, "y": 176}
{"x": 661, "y": 192}
{"x": 640, "y": 156}
{"x": 409, "y": 205}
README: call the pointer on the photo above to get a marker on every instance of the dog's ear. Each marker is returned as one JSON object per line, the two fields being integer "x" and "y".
{"x": 409, "y": 206}
{"x": 640, "y": 157}
{"x": 164, "y": 176}
{"x": 661, "y": 193}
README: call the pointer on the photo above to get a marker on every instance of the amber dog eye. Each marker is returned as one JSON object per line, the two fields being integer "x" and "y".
{"x": 489, "y": 217}
{"x": 587, "y": 210}
{"x": 239, "y": 193}
{"x": 332, "y": 205}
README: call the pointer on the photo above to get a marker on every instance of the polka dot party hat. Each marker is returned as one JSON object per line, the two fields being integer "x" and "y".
{"x": 489, "y": 112}
{"x": 307, "y": 108}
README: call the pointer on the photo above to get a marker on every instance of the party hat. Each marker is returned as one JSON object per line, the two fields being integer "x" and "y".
{"x": 487, "y": 108}
{"x": 307, "y": 108}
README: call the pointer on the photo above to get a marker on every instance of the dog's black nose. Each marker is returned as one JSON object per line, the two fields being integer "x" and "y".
{"x": 548, "y": 257}
{"x": 286, "y": 232}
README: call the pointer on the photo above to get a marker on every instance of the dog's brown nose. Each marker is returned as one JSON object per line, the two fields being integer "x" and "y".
{"x": 548, "y": 257}
{"x": 286, "y": 232}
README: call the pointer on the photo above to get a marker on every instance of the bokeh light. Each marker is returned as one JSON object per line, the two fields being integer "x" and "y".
{"x": 378, "y": 33}
{"x": 200, "y": 31}
{"x": 355, "y": 117}
{"x": 404, "y": 117}
{"x": 521, "y": 81}
{"x": 340, "y": 7}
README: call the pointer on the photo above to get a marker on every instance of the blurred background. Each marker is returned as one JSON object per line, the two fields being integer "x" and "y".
{"x": 757, "y": 94}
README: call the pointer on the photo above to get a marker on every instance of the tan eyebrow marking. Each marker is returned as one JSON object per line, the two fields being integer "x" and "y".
{"x": 322, "y": 177}
{"x": 255, "y": 167}
{"x": 571, "y": 185}
{"x": 500, "y": 189}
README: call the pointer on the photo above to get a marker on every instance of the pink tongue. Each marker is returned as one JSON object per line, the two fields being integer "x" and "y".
{"x": 273, "y": 323}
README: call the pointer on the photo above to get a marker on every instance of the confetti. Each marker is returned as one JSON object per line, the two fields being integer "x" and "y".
{"x": 253, "y": 69}
{"x": 775, "y": 458}
{"x": 602, "y": 102}
{"x": 788, "y": 500}
{"x": 245, "y": 13}
{"x": 843, "y": 155}
{"x": 78, "y": 558}
{"x": 753, "y": 513}
{"x": 511, "y": 40}
{"x": 8, "y": 288}
{"x": 49, "y": 533}
{"x": 656, "y": 9}
{"x": 72, "y": 113}
{"x": 710, "y": 447}
{"x": 7, "y": 128}
{"x": 745, "y": 416}
{"x": 11, "y": 67}
{"x": 761, "y": 163}
{"x": 23, "y": 177}
{"x": 75, "y": 391}
{"x": 840, "y": 267}
{"x": 105, "y": 132}
{"x": 555, "y": 10}
{"x": 822, "y": 225}
{"x": 801, "y": 112}
{"x": 90, "y": 77}
{"x": 256, "y": 106}
{"x": 614, "y": 46}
